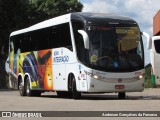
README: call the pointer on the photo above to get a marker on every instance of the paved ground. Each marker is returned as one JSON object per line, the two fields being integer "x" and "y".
{"x": 149, "y": 100}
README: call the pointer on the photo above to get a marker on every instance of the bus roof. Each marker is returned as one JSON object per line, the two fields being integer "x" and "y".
{"x": 44, "y": 24}
{"x": 82, "y": 16}
{"x": 95, "y": 17}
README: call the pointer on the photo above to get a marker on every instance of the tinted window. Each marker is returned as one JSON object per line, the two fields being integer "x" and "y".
{"x": 115, "y": 48}
{"x": 64, "y": 36}
{"x": 157, "y": 45}
{"x": 81, "y": 52}
{"x": 46, "y": 38}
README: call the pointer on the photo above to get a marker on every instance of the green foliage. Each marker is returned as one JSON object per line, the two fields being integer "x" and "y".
{"x": 148, "y": 81}
{"x": 52, "y": 8}
{"x": 18, "y": 14}
{"x": 12, "y": 16}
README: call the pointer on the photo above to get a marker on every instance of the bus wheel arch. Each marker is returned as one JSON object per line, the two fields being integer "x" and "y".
{"x": 70, "y": 76}
{"x": 21, "y": 86}
{"x": 29, "y": 91}
{"x": 72, "y": 86}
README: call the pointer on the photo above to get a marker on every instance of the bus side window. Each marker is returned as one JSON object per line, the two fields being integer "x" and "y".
{"x": 54, "y": 37}
{"x": 59, "y": 36}
{"x": 16, "y": 44}
{"x": 25, "y": 44}
{"x": 65, "y": 36}
{"x": 79, "y": 40}
{"x": 43, "y": 39}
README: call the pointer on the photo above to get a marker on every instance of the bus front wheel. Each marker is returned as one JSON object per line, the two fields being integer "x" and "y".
{"x": 76, "y": 94}
{"x": 121, "y": 95}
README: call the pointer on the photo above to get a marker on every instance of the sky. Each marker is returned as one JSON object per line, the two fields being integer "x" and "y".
{"x": 142, "y": 11}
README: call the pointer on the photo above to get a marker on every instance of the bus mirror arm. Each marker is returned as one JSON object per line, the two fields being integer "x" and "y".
{"x": 85, "y": 38}
{"x": 149, "y": 40}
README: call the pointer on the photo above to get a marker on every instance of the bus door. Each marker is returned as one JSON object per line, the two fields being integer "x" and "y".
{"x": 155, "y": 59}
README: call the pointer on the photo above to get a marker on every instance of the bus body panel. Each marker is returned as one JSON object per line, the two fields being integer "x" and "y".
{"x": 108, "y": 81}
{"x": 65, "y": 63}
{"x": 155, "y": 60}
{"x": 39, "y": 68}
{"x": 51, "y": 22}
{"x": 61, "y": 58}
{"x": 106, "y": 87}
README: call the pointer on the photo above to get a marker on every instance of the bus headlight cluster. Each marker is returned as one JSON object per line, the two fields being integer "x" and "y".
{"x": 97, "y": 77}
{"x": 141, "y": 76}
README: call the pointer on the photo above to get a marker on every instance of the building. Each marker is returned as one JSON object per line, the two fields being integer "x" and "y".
{"x": 156, "y": 24}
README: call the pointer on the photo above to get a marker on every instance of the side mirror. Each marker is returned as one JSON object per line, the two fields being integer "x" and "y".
{"x": 85, "y": 38}
{"x": 155, "y": 38}
{"x": 149, "y": 40}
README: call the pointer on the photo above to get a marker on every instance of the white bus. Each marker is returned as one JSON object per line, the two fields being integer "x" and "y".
{"x": 78, "y": 53}
{"x": 155, "y": 60}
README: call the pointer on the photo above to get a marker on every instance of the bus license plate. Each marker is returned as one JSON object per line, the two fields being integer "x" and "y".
{"x": 119, "y": 86}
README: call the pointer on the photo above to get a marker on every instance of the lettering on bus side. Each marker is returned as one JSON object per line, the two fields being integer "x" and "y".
{"x": 61, "y": 59}
{"x": 56, "y": 53}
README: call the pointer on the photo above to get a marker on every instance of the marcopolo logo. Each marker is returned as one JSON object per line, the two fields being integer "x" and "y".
{"x": 60, "y": 59}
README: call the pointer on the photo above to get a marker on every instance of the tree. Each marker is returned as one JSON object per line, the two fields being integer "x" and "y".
{"x": 53, "y": 8}
{"x": 18, "y": 14}
{"x": 12, "y": 17}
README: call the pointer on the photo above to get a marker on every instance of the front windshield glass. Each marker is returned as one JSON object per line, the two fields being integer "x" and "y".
{"x": 115, "y": 47}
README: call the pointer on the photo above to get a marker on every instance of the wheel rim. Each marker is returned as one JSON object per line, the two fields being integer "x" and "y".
{"x": 28, "y": 88}
{"x": 20, "y": 87}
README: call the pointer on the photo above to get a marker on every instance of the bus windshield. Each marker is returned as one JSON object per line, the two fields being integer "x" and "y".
{"x": 115, "y": 48}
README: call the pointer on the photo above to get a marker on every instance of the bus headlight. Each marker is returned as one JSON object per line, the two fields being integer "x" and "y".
{"x": 141, "y": 76}
{"x": 97, "y": 77}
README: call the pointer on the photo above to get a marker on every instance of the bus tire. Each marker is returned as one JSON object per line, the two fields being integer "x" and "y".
{"x": 29, "y": 92}
{"x": 76, "y": 94}
{"x": 121, "y": 95}
{"x": 21, "y": 87}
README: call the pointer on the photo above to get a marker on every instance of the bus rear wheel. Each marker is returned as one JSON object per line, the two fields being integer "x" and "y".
{"x": 121, "y": 95}
{"x": 30, "y": 92}
{"x": 22, "y": 90}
